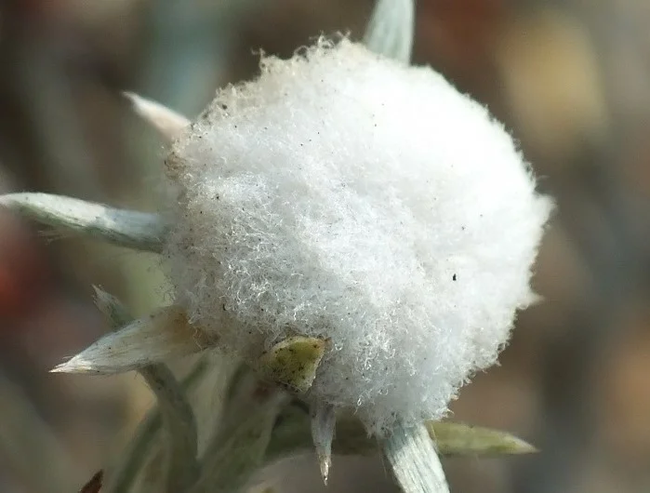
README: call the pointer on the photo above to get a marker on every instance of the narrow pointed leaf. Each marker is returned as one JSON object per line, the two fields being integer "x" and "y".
{"x": 158, "y": 337}
{"x": 323, "y": 422}
{"x": 112, "y": 308}
{"x": 168, "y": 122}
{"x": 131, "y": 229}
{"x": 391, "y": 29}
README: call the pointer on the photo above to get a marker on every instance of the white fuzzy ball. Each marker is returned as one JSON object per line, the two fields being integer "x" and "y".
{"x": 346, "y": 196}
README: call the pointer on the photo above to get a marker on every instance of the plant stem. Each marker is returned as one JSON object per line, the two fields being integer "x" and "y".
{"x": 123, "y": 475}
{"x": 178, "y": 417}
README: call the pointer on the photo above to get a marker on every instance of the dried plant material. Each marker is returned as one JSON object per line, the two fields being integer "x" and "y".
{"x": 293, "y": 362}
{"x": 391, "y": 27}
{"x": 152, "y": 339}
{"x": 169, "y": 123}
{"x": 132, "y": 229}
{"x": 348, "y": 197}
{"x": 95, "y": 483}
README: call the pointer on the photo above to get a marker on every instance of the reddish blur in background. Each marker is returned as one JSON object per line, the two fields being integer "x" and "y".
{"x": 571, "y": 80}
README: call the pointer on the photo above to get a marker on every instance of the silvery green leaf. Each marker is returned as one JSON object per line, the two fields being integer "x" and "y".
{"x": 131, "y": 229}
{"x": 391, "y": 29}
{"x": 414, "y": 460}
{"x": 162, "y": 335}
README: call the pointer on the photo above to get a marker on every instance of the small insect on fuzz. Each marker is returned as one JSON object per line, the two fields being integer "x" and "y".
{"x": 347, "y": 197}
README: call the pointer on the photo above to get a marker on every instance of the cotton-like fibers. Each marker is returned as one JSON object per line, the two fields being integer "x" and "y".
{"x": 345, "y": 196}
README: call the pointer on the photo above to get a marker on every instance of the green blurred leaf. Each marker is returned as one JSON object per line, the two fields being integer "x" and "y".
{"x": 458, "y": 439}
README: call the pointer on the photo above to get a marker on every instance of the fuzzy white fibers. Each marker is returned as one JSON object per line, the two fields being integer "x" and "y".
{"x": 346, "y": 196}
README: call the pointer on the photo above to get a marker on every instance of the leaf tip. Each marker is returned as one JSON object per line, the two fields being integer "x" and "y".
{"x": 169, "y": 123}
{"x": 73, "y": 365}
{"x": 323, "y": 423}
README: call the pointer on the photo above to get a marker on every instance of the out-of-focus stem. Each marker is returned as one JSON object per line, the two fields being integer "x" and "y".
{"x": 177, "y": 415}
{"x": 133, "y": 458}
{"x": 179, "y": 422}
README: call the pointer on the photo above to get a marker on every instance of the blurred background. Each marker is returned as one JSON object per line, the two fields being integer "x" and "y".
{"x": 570, "y": 78}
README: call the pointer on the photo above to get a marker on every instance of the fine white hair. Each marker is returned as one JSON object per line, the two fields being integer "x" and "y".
{"x": 349, "y": 197}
